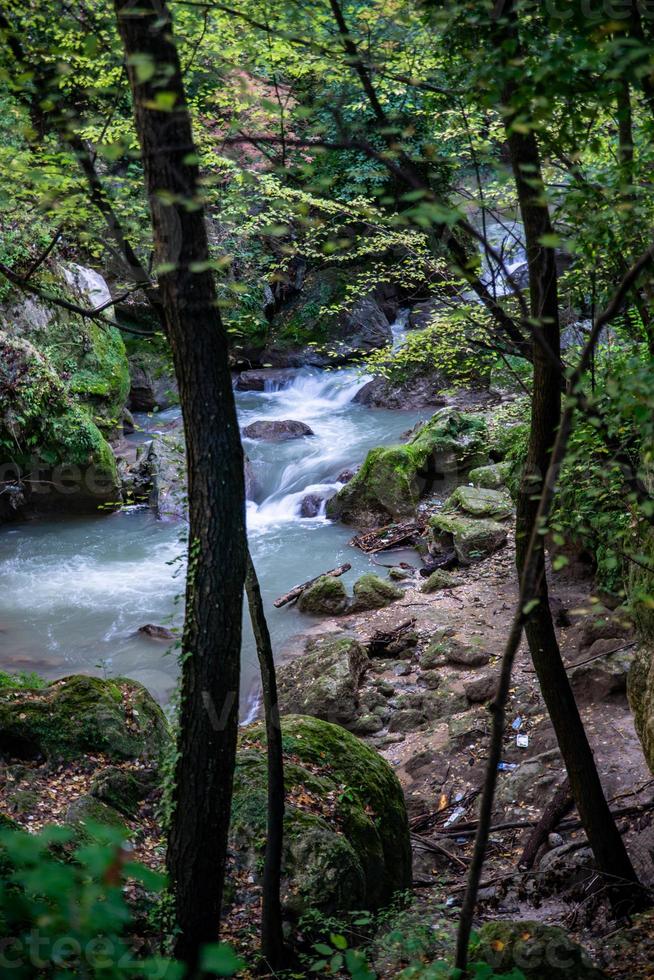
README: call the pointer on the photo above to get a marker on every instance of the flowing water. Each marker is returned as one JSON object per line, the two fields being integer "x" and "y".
{"x": 75, "y": 591}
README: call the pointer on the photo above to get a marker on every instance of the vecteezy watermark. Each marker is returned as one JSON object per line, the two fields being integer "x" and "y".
{"x": 596, "y": 11}
{"x": 38, "y": 951}
{"x": 64, "y": 479}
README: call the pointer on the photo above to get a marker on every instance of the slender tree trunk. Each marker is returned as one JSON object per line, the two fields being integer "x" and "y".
{"x": 602, "y": 833}
{"x": 272, "y": 939}
{"x": 211, "y": 644}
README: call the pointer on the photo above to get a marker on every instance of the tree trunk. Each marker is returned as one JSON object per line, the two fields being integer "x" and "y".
{"x": 602, "y": 833}
{"x": 272, "y": 939}
{"x": 211, "y": 644}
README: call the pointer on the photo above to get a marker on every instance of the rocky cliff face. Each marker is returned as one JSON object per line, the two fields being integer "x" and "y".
{"x": 63, "y": 385}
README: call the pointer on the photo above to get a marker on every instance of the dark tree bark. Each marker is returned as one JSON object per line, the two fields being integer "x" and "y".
{"x": 602, "y": 833}
{"x": 211, "y": 644}
{"x": 272, "y": 939}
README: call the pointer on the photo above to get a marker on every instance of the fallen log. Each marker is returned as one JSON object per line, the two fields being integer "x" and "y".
{"x": 559, "y": 806}
{"x": 382, "y": 639}
{"x": 388, "y": 536}
{"x": 297, "y": 591}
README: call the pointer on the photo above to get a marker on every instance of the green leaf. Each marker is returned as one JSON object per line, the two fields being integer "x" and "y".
{"x": 221, "y": 960}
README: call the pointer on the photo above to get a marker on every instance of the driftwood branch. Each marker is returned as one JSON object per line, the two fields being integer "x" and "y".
{"x": 382, "y": 538}
{"x": 297, "y": 591}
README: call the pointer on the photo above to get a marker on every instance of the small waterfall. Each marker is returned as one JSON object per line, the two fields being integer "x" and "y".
{"x": 507, "y": 239}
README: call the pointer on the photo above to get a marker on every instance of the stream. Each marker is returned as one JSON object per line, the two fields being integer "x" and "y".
{"x": 76, "y": 590}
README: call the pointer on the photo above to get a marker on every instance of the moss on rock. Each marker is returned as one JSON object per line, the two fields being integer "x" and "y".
{"x": 80, "y": 714}
{"x": 123, "y": 789}
{"x": 392, "y": 480}
{"x": 480, "y": 502}
{"x": 325, "y": 680}
{"x": 372, "y": 592}
{"x": 43, "y": 432}
{"x": 539, "y": 951}
{"x": 326, "y": 597}
{"x": 473, "y": 539}
{"x": 491, "y": 477}
{"x": 346, "y": 832}
{"x": 440, "y": 579}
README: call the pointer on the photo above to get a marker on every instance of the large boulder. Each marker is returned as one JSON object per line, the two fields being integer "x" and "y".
{"x": 539, "y": 951}
{"x": 152, "y": 382}
{"x": 472, "y": 538}
{"x": 346, "y": 836}
{"x": 324, "y": 681}
{"x": 268, "y": 379}
{"x": 392, "y": 480}
{"x": 372, "y": 592}
{"x": 491, "y": 477}
{"x": 640, "y": 690}
{"x": 326, "y": 597}
{"x": 277, "y": 431}
{"x": 480, "y": 502}
{"x": 423, "y": 391}
{"x": 80, "y": 714}
{"x": 47, "y": 438}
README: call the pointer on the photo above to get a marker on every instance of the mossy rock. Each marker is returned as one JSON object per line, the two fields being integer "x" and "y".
{"x": 473, "y": 538}
{"x": 46, "y": 434}
{"x": 372, "y": 592}
{"x": 393, "y": 479}
{"x": 324, "y": 681}
{"x": 326, "y": 597}
{"x": 123, "y": 789}
{"x": 480, "y": 502}
{"x": 491, "y": 477}
{"x": 539, "y": 951}
{"x": 440, "y": 579}
{"x": 87, "y": 810}
{"x": 80, "y": 714}
{"x": 346, "y": 832}
{"x": 640, "y": 691}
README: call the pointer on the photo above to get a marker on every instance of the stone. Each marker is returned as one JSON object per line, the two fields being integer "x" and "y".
{"x": 372, "y": 592}
{"x": 156, "y": 632}
{"x": 461, "y": 655}
{"x": 268, "y": 430}
{"x": 47, "y": 437}
{"x": 438, "y": 580}
{"x": 399, "y": 574}
{"x": 326, "y": 597}
{"x": 368, "y": 724}
{"x": 350, "y": 853}
{"x": 345, "y": 476}
{"x": 266, "y": 379}
{"x": 311, "y": 505}
{"x": 480, "y": 502}
{"x": 123, "y": 789}
{"x": 491, "y": 477}
{"x": 152, "y": 383}
{"x": 539, "y": 951}
{"x": 430, "y": 679}
{"x": 78, "y": 714}
{"x": 392, "y": 479}
{"x": 603, "y": 678}
{"x": 417, "y": 393}
{"x": 88, "y": 810}
{"x": 473, "y": 539}
{"x": 481, "y": 688}
{"x": 325, "y": 680}
{"x": 640, "y": 691}
{"x": 407, "y": 720}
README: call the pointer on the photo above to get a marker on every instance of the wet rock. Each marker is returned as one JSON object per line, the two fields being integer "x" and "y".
{"x": 372, "y": 592}
{"x": 354, "y": 853}
{"x": 399, "y": 574}
{"x": 311, "y": 505}
{"x": 481, "y": 688}
{"x": 474, "y": 539}
{"x": 326, "y": 597}
{"x": 539, "y": 951}
{"x": 156, "y": 632}
{"x": 419, "y": 392}
{"x": 430, "y": 679}
{"x": 392, "y": 479}
{"x": 127, "y": 421}
{"x": 480, "y": 502}
{"x": 491, "y": 477}
{"x": 345, "y": 476}
{"x": 439, "y": 580}
{"x": 325, "y": 680}
{"x": 270, "y": 379}
{"x": 276, "y": 431}
{"x": 251, "y": 483}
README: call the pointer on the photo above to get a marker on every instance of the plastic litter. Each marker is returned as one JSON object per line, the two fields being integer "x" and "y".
{"x": 507, "y": 766}
{"x": 522, "y": 741}
{"x": 516, "y": 724}
{"x": 454, "y": 816}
